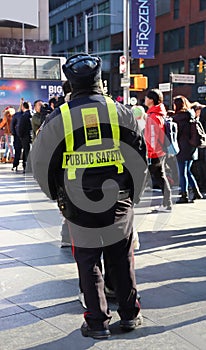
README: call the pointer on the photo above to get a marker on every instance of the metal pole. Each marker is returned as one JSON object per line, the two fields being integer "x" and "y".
{"x": 126, "y": 48}
{"x": 23, "y": 41}
{"x": 171, "y": 91}
{"x": 86, "y": 34}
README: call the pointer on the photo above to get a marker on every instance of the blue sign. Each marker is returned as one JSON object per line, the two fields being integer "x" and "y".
{"x": 12, "y": 90}
{"x": 143, "y": 28}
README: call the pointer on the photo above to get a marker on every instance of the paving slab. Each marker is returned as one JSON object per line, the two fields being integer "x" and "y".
{"x": 39, "y": 307}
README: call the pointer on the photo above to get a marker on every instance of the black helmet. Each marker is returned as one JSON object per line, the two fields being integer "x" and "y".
{"x": 83, "y": 70}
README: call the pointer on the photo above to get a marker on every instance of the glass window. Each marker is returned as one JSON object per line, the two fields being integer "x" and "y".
{"x": 193, "y": 65}
{"x": 174, "y": 40}
{"x": 104, "y": 45}
{"x": 90, "y": 46}
{"x": 60, "y": 32}
{"x": 18, "y": 67}
{"x": 80, "y": 48}
{"x": 71, "y": 51}
{"x": 196, "y": 34}
{"x": 48, "y": 68}
{"x": 174, "y": 67}
{"x": 157, "y": 43}
{"x": 103, "y": 20}
{"x": 80, "y": 24}
{"x": 162, "y": 7}
{"x": 53, "y": 35}
{"x": 53, "y": 4}
{"x": 176, "y": 9}
{"x": 71, "y": 28}
{"x": 153, "y": 76}
{"x": 202, "y": 5}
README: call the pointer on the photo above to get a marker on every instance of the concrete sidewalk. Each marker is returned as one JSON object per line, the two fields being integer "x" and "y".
{"x": 39, "y": 306}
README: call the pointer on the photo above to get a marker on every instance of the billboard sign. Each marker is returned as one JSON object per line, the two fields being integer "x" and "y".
{"x": 11, "y": 91}
{"x": 143, "y": 29}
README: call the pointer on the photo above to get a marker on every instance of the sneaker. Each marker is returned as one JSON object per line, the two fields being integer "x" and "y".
{"x": 96, "y": 334}
{"x": 163, "y": 209}
{"x": 129, "y": 325}
{"x": 82, "y": 300}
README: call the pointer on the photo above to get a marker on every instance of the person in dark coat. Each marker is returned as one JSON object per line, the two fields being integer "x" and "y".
{"x": 37, "y": 118}
{"x": 24, "y": 131}
{"x": 94, "y": 189}
{"x": 188, "y": 153}
{"x": 17, "y": 142}
{"x": 201, "y": 163}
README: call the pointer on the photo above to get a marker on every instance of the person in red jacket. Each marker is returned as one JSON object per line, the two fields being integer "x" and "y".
{"x": 154, "y": 138}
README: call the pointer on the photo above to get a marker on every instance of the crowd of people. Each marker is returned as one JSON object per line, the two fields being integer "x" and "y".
{"x": 187, "y": 170}
{"x": 20, "y": 127}
{"x": 97, "y": 154}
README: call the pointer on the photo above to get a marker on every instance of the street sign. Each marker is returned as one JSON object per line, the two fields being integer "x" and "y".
{"x": 122, "y": 64}
{"x": 125, "y": 82}
{"x": 164, "y": 87}
{"x": 183, "y": 78}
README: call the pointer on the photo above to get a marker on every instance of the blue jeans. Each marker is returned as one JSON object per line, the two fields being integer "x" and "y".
{"x": 186, "y": 176}
{"x": 8, "y": 146}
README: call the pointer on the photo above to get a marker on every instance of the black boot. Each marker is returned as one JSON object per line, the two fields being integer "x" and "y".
{"x": 196, "y": 194}
{"x": 183, "y": 198}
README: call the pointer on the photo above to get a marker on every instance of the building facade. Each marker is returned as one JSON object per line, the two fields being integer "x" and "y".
{"x": 24, "y": 28}
{"x": 180, "y": 40}
{"x": 70, "y": 21}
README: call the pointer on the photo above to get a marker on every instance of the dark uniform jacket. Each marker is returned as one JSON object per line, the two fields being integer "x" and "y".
{"x": 15, "y": 123}
{"x": 49, "y": 145}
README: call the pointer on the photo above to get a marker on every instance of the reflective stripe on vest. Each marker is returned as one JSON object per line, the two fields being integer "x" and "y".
{"x": 73, "y": 160}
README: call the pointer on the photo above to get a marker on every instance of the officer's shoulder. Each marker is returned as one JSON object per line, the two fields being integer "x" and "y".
{"x": 123, "y": 110}
{"x": 55, "y": 113}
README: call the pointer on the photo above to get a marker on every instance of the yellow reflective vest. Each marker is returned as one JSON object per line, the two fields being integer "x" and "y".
{"x": 74, "y": 159}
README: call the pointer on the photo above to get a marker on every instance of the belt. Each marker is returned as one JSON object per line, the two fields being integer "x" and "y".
{"x": 123, "y": 194}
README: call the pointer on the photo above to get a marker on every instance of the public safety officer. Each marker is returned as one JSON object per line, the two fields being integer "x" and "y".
{"x": 89, "y": 158}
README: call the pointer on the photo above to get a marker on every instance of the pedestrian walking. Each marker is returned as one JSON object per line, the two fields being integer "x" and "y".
{"x": 24, "y": 132}
{"x": 8, "y": 156}
{"x": 154, "y": 138}
{"x": 92, "y": 158}
{"x": 202, "y": 158}
{"x": 188, "y": 153}
{"x": 17, "y": 142}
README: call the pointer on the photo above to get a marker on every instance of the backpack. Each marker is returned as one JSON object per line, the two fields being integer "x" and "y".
{"x": 198, "y": 135}
{"x": 171, "y": 146}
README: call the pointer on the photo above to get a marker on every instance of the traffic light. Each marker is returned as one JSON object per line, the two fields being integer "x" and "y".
{"x": 138, "y": 82}
{"x": 141, "y": 62}
{"x": 201, "y": 66}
